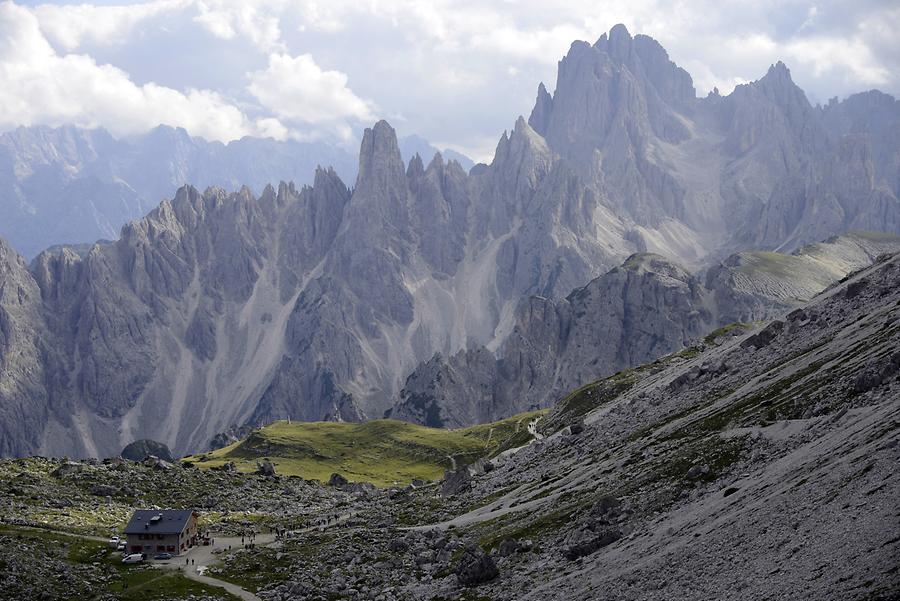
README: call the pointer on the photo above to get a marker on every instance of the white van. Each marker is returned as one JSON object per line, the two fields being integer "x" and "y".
{"x": 134, "y": 558}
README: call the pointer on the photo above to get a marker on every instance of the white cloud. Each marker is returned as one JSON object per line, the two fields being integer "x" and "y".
{"x": 458, "y": 70}
{"x": 297, "y": 90}
{"x": 852, "y": 57}
{"x": 70, "y": 25}
{"x": 257, "y": 21}
{"x": 39, "y": 86}
{"x": 544, "y": 45}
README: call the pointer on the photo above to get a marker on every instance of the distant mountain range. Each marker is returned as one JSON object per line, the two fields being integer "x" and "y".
{"x": 69, "y": 185}
{"x": 222, "y": 308}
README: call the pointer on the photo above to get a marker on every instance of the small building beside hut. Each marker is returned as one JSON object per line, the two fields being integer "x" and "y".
{"x": 162, "y": 531}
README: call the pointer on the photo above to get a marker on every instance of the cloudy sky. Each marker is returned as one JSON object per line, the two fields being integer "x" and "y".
{"x": 455, "y": 72}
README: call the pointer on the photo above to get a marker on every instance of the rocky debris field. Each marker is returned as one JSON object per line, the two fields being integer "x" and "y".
{"x": 96, "y": 497}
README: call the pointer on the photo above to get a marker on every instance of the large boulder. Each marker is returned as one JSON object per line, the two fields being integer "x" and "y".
{"x": 475, "y": 567}
{"x": 456, "y": 482}
{"x": 104, "y": 490}
{"x": 337, "y": 480}
{"x": 764, "y": 337}
{"x": 139, "y": 450}
{"x": 67, "y": 468}
{"x": 158, "y": 464}
{"x": 585, "y": 541}
{"x": 265, "y": 468}
{"x": 229, "y": 436}
{"x": 508, "y": 547}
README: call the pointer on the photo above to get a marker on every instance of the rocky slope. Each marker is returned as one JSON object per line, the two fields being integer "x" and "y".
{"x": 71, "y": 185}
{"x": 764, "y": 465}
{"x": 646, "y": 308}
{"x": 761, "y": 465}
{"x": 221, "y": 309}
{"x": 749, "y": 285}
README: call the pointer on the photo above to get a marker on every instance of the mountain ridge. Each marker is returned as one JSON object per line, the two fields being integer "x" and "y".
{"x": 222, "y": 309}
{"x": 100, "y": 182}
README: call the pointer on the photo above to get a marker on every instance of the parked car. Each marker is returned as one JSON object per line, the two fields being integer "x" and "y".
{"x": 113, "y": 541}
{"x": 162, "y": 556}
{"x": 121, "y": 546}
{"x": 134, "y": 558}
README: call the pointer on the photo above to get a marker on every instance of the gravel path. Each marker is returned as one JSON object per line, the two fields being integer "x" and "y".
{"x": 204, "y": 556}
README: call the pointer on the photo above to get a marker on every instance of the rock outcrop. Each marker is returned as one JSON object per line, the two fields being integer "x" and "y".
{"x": 139, "y": 450}
{"x": 475, "y": 567}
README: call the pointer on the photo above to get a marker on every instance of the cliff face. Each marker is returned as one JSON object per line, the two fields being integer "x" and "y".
{"x": 25, "y": 404}
{"x": 641, "y": 310}
{"x": 646, "y": 308}
{"x": 220, "y": 309}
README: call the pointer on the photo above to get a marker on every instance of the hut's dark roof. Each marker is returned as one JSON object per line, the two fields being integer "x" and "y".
{"x": 171, "y": 521}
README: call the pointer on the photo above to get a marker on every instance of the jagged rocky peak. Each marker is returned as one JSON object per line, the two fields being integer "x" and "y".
{"x": 778, "y": 74}
{"x": 647, "y": 58}
{"x": 437, "y": 163}
{"x": 325, "y": 179}
{"x": 415, "y": 168}
{"x": 527, "y": 145}
{"x": 8, "y": 255}
{"x": 379, "y": 156}
{"x": 380, "y": 198}
{"x": 543, "y": 107}
{"x": 641, "y": 56}
{"x": 673, "y": 83}
{"x": 610, "y": 100}
{"x": 522, "y": 158}
{"x": 618, "y": 44}
{"x": 778, "y": 86}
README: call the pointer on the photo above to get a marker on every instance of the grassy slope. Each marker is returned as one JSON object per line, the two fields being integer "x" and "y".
{"x": 383, "y": 452}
